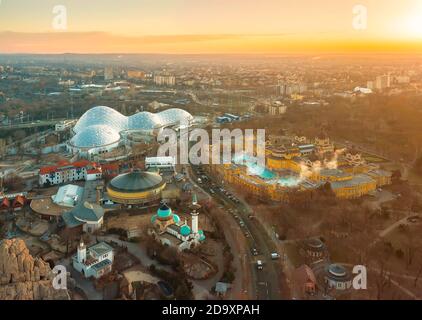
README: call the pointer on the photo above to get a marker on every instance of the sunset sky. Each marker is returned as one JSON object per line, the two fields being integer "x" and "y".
{"x": 210, "y": 26}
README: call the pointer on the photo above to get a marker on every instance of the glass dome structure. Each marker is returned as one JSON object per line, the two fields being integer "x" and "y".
{"x": 101, "y": 116}
{"x": 95, "y": 136}
{"x": 109, "y": 123}
{"x": 143, "y": 121}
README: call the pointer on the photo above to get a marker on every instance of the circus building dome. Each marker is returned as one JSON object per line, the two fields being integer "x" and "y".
{"x": 136, "y": 187}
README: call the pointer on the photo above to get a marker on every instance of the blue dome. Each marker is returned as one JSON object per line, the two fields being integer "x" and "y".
{"x": 154, "y": 218}
{"x": 176, "y": 218}
{"x": 201, "y": 235}
{"x": 164, "y": 212}
{"x": 185, "y": 230}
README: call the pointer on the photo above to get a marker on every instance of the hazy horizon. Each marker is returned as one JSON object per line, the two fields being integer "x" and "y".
{"x": 210, "y": 27}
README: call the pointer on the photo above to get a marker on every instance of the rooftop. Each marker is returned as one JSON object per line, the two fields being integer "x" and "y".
{"x": 100, "y": 248}
{"x": 136, "y": 181}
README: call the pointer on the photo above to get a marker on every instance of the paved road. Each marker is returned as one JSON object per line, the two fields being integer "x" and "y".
{"x": 242, "y": 286}
{"x": 267, "y": 281}
{"x": 86, "y": 285}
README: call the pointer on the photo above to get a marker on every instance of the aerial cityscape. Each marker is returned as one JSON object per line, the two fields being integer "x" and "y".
{"x": 210, "y": 150}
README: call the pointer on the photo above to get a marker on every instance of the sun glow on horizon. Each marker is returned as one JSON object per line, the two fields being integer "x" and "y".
{"x": 413, "y": 25}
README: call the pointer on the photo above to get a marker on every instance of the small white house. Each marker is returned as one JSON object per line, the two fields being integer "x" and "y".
{"x": 94, "y": 261}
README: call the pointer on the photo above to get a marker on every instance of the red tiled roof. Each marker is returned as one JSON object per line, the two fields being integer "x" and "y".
{"x": 92, "y": 171}
{"x": 19, "y": 201}
{"x": 64, "y": 164}
{"x": 81, "y": 163}
{"x": 5, "y": 203}
{"x": 110, "y": 166}
{"x": 49, "y": 169}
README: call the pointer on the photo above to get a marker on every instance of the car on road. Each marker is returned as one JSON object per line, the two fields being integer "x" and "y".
{"x": 259, "y": 265}
{"x": 254, "y": 252}
{"x": 247, "y": 234}
{"x": 212, "y": 191}
{"x": 275, "y": 256}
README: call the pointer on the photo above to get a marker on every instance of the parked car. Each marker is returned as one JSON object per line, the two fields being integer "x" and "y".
{"x": 275, "y": 256}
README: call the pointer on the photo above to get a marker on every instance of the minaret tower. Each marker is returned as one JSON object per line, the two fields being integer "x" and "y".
{"x": 81, "y": 255}
{"x": 195, "y": 214}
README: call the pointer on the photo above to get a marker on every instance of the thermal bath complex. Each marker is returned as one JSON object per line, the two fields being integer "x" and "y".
{"x": 301, "y": 167}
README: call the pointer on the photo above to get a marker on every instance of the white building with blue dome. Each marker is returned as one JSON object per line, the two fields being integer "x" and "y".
{"x": 170, "y": 230}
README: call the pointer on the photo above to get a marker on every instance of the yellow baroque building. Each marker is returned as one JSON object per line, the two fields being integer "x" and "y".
{"x": 353, "y": 179}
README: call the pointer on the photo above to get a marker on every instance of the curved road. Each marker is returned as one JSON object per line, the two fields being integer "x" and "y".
{"x": 267, "y": 282}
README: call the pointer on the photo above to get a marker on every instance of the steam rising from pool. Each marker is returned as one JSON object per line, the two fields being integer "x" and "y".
{"x": 265, "y": 174}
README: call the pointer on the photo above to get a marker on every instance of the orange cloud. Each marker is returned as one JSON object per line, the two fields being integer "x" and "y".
{"x": 100, "y": 42}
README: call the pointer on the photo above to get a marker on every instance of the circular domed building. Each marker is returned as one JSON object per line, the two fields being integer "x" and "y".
{"x": 314, "y": 248}
{"x": 88, "y": 217}
{"x": 338, "y": 277}
{"x": 136, "y": 187}
{"x": 164, "y": 218}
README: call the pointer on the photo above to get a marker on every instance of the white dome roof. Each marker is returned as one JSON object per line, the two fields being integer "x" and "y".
{"x": 174, "y": 116}
{"x": 143, "y": 121}
{"x": 95, "y": 136}
{"x": 102, "y": 125}
{"x": 101, "y": 116}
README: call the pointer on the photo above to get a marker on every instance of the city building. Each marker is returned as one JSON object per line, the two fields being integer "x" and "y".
{"x": 135, "y": 74}
{"x": 86, "y": 217}
{"x": 276, "y": 110}
{"x": 64, "y": 125}
{"x": 164, "y": 79}
{"x": 108, "y": 73}
{"x": 13, "y": 201}
{"x": 323, "y": 145}
{"x": 68, "y": 195}
{"x": 94, "y": 261}
{"x": 304, "y": 281}
{"x": 168, "y": 163}
{"x": 314, "y": 249}
{"x": 136, "y": 188}
{"x": 382, "y": 82}
{"x": 68, "y": 172}
{"x": 289, "y": 88}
